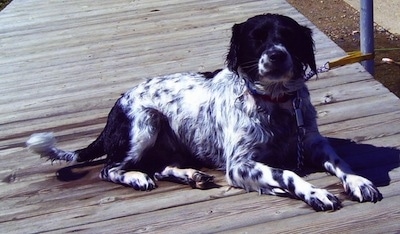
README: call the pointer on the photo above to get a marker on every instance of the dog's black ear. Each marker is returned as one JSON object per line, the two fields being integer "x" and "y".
{"x": 231, "y": 58}
{"x": 308, "y": 49}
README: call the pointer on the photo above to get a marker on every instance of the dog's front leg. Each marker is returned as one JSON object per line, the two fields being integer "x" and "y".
{"x": 254, "y": 176}
{"x": 357, "y": 187}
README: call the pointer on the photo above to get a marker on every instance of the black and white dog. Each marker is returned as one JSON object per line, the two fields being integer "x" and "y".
{"x": 253, "y": 119}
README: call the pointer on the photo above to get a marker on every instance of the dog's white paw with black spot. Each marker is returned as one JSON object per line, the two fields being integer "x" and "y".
{"x": 361, "y": 189}
{"x": 139, "y": 181}
{"x": 322, "y": 200}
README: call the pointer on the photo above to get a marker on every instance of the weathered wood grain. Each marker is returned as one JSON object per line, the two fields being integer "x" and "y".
{"x": 351, "y": 220}
{"x": 64, "y": 63}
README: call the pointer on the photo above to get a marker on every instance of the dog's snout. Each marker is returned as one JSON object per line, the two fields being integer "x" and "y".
{"x": 275, "y": 55}
{"x": 275, "y": 62}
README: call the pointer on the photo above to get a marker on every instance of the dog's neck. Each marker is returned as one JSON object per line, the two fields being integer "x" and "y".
{"x": 264, "y": 96}
{"x": 276, "y": 92}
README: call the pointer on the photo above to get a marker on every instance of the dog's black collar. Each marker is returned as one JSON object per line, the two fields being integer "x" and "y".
{"x": 265, "y": 97}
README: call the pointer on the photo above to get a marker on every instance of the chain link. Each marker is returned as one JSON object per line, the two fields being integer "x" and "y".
{"x": 300, "y": 147}
{"x": 301, "y": 131}
{"x": 321, "y": 69}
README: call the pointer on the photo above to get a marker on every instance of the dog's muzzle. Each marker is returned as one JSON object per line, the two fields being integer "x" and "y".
{"x": 275, "y": 63}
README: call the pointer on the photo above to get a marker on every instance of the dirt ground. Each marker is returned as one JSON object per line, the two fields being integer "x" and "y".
{"x": 4, "y": 3}
{"x": 340, "y": 22}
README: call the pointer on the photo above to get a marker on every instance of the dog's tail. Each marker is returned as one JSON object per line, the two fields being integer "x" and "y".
{"x": 44, "y": 144}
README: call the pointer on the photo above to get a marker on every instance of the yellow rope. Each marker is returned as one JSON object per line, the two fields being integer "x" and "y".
{"x": 352, "y": 57}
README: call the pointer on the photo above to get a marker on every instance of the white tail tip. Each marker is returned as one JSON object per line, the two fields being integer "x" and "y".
{"x": 41, "y": 143}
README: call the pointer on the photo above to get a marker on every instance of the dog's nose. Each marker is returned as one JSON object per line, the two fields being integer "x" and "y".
{"x": 276, "y": 55}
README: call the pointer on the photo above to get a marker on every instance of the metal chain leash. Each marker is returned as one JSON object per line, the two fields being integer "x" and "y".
{"x": 301, "y": 131}
{"x": 321, "y": 69}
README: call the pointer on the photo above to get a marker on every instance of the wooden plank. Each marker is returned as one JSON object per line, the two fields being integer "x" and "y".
{"x": 346, "y": 220}
{"x": 385, "y": 141}
{"x": 109, "y": 210}
{"x": 213, "y": 215}
{"x": 72, "y": 60}
{"x": 366, "y": 128}
{"x": 357, "y": 108}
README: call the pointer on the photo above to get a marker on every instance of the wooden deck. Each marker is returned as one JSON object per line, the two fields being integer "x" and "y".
{"x": 64, "y": 63}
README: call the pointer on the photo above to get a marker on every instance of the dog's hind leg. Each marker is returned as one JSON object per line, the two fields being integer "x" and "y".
{"x": 135, "y": 179}
{"x": 192, "y": 177}
{"x": 127, "y": 161}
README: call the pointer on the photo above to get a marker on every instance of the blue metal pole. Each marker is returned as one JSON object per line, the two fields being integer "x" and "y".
{"x": 367, "y": 32}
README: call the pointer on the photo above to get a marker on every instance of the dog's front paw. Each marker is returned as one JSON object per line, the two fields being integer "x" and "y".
{"x": 139, "y": 181}
{"x": 322, "y": 200}
{"x": 361, "y": 189}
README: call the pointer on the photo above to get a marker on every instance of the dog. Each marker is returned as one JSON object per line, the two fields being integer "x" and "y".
{"x": 252, "y": 119}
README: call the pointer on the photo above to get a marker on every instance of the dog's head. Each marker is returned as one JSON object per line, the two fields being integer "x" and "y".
{"x": 269, "y": 49}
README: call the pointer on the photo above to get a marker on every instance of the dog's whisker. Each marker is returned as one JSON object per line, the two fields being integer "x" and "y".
{"x": 250, "y": 63}
{"x": 255, "y": 66}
